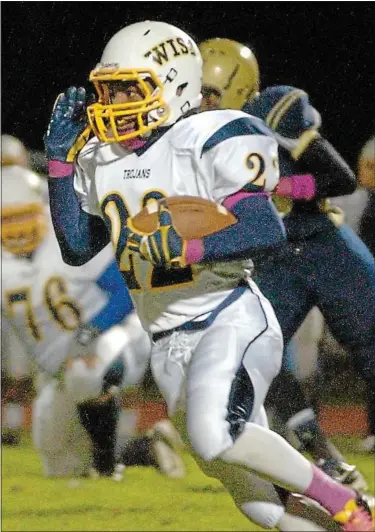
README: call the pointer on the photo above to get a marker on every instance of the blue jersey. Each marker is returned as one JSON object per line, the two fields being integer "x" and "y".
{"x": 322, "y": 265}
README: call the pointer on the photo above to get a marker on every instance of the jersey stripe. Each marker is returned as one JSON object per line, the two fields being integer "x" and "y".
{"x": 305, "y": 139}
{"x": 280, "y": 109}
{"x": 236, "y": 128}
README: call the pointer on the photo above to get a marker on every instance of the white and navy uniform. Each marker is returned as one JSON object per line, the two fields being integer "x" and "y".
{"x": 211, "y": 329}
{"x": 44, "y": 301}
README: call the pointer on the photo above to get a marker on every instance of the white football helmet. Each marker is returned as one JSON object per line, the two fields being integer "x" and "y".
{"x": 166, "y": 66}
{"x": 13, "y": 152}
{"x": 23, "y": 215}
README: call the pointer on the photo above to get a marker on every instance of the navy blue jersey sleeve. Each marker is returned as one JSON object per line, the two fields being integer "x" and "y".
{"x": 259, "y": 229}
{"x": 80, "y": 235}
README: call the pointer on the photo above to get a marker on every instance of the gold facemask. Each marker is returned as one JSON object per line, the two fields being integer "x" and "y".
{"x": 230, "y": 69}
{"x": 22, "y": 228}
{"x": 108, "y": 119}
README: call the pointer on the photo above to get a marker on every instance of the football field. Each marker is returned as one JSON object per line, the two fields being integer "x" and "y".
{"x": 143, "y": 501}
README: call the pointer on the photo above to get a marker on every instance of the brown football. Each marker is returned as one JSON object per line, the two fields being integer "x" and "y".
{"x": 192, "y": 217}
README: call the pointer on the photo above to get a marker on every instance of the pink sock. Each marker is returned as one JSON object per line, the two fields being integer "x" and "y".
{"x": 329, "y": 493}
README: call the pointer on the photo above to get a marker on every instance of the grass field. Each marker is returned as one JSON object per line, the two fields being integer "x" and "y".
{"x": 143, "y": 501}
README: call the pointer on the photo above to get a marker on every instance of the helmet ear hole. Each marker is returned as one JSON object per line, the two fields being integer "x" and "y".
{"x": 180, "y": 89}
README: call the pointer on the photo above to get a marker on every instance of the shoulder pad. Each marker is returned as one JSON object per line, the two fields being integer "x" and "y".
{"x": 96, "y": 152}
{"x": 286, "y": 110}
{"x": 210, "y": 128}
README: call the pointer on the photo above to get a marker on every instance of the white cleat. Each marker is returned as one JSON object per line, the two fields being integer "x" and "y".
{"x": 117, "y": 475}
{"x": 367, "y": 445}
{"x": 166, "y": 445}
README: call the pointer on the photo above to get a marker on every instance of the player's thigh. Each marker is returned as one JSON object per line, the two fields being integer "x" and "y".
{"x": 230, "y": 372}
{"x": 15, "y": 359}
{"x": 55, "y": 418}
{"x": 346, "y": 288}
{"x": 49, "y": 431}
{"x": 283, "y": 283}
{"x": 306, "y": 344}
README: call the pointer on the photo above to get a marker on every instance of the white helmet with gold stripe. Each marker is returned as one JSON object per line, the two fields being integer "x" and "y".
{"x": 23, "y": 215}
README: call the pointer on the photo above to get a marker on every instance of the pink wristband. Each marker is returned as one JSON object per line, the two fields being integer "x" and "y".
{"x": 59, "y": 169}
{"x": 297, "y": 187}
{"x": 194, "y": 251}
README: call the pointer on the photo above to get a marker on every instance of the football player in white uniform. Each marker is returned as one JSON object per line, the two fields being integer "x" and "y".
{"x": 192, "y": 296}
{"x": 16, "y": 368}
{"x": 13, "y": 152}
{"x": 64, "y": 317}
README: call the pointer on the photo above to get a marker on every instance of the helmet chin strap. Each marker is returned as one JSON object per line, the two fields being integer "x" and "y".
{"x": 136, "y": 142}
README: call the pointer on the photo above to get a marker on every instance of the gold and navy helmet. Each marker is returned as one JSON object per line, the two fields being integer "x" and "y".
{"x": 230, "y": 74}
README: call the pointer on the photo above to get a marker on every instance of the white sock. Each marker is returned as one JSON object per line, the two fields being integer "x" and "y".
{"x": 13, "y": 416}
{"x": 268, "y": 454}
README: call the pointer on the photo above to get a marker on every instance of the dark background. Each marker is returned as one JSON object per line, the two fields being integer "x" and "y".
{"x": 325, "y": 48}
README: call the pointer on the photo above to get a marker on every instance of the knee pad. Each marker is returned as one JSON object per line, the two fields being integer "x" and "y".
{"x": 264, "y": 514}
{"x": 208, "y": 436}
{"x": 211, "y": 433}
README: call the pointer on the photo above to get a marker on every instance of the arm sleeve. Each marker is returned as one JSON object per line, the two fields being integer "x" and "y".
{"x": 259, "y": 229}
{"x": 332, "y": 175}
{"x": 80, "y": 235}
{"x": 119, "y": 304}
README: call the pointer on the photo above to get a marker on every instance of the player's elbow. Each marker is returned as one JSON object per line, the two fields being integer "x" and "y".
{"x": 349, "y": 185}
{"x": 74, "y": 255}
{"x": 74, "y": 259}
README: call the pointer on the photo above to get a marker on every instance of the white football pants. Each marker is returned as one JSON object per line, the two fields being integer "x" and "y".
{"x": 196, "y": 370}
{"x": 63, "y": 444}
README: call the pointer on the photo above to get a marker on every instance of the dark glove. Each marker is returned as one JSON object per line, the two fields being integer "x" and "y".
{"x": 67, "y": 131}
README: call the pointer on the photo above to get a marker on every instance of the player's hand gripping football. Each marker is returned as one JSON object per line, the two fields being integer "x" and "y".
{"x": 164, "y": 247}
{"x": 67, "y": 131}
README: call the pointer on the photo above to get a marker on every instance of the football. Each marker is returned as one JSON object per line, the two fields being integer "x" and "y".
{"x": 192, "y": 217}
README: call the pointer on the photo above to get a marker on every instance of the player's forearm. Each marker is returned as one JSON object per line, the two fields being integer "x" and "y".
{"x": 80, "y": 235}
{"x": 119, "y": 303}
{"x": 332, "y": 175}
{"x": 259, "y": 228}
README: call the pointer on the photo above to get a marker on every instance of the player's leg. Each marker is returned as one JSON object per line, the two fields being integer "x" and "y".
{"x": 62, "y": 443}
{"x": 257, "y": 498}
{"x": 228, "y": 378}
{"x": 16, "y": 385}
{"x": 349, "y": 305}
{"x": 289, "y": 293}
{"x": 120, "y": 360}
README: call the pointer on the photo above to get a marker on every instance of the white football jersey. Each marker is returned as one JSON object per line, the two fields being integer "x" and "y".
{"x": 211, "y": 155}
{"x": 44, "y": 299}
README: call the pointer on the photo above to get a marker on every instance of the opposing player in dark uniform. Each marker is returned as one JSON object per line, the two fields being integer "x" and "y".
{"x": 324, "y": 263}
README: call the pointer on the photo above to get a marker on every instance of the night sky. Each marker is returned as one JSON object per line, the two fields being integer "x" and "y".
{"x": 325, "y": 48}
